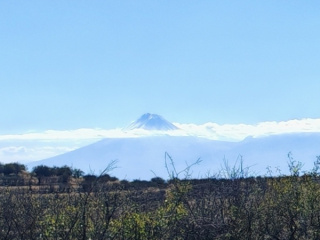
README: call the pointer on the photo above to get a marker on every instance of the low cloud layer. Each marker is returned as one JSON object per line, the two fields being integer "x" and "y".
{"x": 237, "y": 132}
{"x": 37, "y": 146}
{"x": 27, "y": 153}
{"x": 232, "y": 132}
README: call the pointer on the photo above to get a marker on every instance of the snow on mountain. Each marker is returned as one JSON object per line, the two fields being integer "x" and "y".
{"x": 150, "y": 121}
{"x": 143, "y": 157}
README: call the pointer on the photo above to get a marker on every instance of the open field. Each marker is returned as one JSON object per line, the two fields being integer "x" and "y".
{"x": 284, "y": 207}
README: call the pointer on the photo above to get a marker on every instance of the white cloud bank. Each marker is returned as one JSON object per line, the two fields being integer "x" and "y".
{"x": 237, "y": 132}
{"x": 231, "y": 132}
{"x": 41, "y": 145}
{"x": 28, "y": 153}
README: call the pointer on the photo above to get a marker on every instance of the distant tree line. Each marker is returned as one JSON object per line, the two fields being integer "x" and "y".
{"x": 64, "y": 174}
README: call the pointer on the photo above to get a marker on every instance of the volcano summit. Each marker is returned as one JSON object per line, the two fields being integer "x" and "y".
{"x": 150, "y": 121}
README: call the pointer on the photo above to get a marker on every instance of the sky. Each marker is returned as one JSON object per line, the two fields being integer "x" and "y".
{"x": 74, "y": 64}
{"x": 100, "y": 64}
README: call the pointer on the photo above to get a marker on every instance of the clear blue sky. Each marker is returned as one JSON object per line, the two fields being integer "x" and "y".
{"x": 71, "y": 64}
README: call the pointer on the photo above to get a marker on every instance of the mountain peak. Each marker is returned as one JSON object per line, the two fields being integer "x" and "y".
{"x": 149, "y": 121}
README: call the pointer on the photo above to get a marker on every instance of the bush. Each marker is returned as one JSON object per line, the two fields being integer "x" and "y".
{"x": 77, "y": 173}
{"x": 107, "y": 178}
{"x": 13, "y": 168}
{"x": 63, "y": 171}
{"x": 158, "y": 180}
{"x": 43, "y": 171}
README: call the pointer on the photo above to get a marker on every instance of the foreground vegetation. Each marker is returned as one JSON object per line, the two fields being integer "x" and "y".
{"x": 102, "y": 207}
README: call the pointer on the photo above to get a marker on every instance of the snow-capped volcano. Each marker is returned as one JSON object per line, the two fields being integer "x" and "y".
{"x": 150, "y": 121}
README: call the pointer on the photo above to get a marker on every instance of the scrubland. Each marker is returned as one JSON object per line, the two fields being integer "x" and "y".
{"x": 102, "y": 207}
